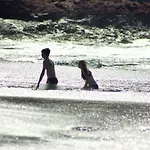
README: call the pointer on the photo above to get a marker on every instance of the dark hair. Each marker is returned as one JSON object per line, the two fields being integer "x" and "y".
{"x": 46, "y": 51}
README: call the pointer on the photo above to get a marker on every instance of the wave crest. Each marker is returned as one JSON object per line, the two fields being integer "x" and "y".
{"x": 68, "y": 30}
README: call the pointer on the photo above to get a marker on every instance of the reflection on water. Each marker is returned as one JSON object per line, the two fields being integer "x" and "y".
{"x": 33, "y": 122}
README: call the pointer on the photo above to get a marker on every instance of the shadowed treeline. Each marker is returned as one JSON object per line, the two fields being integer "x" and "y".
{"x": 98, "y": 13}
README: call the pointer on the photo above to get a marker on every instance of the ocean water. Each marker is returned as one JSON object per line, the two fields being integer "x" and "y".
{"x": 117, "y": 116}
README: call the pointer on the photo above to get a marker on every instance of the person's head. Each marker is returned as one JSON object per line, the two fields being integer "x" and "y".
{"x": 82, "y": 64}
{"x": 45, "y": 52}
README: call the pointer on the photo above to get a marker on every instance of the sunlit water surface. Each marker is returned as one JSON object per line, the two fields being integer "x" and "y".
{"x": 117, "y": 116}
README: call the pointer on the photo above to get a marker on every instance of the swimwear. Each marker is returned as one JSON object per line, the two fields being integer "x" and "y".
{"x": 83, "y": 76}
{"x": 95, "y": 86}
{"x": 53, "y": 80}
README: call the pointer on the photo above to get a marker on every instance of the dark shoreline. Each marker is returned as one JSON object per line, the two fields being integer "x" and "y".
{"x": 99, "y": 13}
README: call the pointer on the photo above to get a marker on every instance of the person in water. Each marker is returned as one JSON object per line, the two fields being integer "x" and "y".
{"x": 86, "y": 74}
{"x": 49, "y": 67}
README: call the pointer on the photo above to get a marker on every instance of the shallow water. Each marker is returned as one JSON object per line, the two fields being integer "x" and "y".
{"x": 133, "y": 56}
{"x": 63, "y": 124}
{"x": 114, "y": 117}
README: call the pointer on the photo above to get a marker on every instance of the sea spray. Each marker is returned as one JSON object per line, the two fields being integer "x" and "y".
{"x": 68, "y": 30}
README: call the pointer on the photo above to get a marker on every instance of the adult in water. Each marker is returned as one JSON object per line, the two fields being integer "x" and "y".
{"x": 86, "y": 74}
{"x": 49, "y": 67}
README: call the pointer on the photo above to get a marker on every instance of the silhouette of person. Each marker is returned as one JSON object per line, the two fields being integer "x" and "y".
{"x": 49, "y": 67}
{"x": 86, "y": 74}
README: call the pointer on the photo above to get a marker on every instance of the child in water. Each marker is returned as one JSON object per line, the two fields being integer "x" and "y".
{"x": 86, "y": 74}
{"x": 49, "y": 67}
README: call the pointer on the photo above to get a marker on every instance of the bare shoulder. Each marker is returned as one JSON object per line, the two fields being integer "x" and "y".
{"x": 50, "y": 62}
{"x": 46, "y": 63}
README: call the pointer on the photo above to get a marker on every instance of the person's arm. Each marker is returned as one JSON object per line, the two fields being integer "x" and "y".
{"x": 41, "y": 77}
{"x": 83, "y": 75}
{"x": 86, "y": 76}
{"x": 86, "y": 85}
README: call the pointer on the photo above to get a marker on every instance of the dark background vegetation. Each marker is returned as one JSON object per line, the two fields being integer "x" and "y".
{"x": 98, "y": 13}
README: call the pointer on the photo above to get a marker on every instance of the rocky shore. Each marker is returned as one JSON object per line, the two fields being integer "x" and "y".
{"x": 98, "y": 13}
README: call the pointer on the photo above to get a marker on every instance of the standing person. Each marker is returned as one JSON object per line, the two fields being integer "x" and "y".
{"x": 86, "y": 74}
{"x": 49, "y": 67}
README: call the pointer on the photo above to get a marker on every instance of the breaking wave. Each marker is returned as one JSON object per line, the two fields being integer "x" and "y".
{"x": 69, "y": 30}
